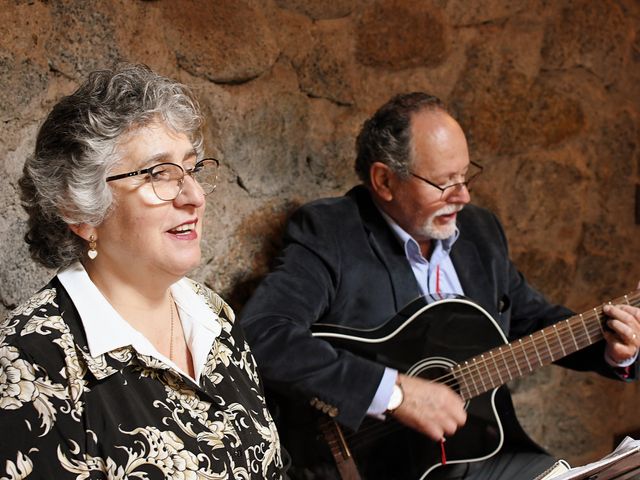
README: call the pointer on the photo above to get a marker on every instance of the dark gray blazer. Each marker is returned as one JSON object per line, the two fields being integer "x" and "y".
{"x": 341, "y": 264}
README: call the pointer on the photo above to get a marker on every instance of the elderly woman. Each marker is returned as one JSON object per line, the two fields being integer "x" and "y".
{"x": 121, "y": 367}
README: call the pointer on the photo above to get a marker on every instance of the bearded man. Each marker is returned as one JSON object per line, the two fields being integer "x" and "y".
{"x": 353, "y": 262}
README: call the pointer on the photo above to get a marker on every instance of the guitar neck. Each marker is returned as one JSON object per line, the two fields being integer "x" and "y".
{"x": 507, "y": 362}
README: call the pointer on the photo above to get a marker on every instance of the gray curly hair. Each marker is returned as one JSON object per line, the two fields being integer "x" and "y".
{"x": 63, "y": 182}
{"x": 386, "y": 136}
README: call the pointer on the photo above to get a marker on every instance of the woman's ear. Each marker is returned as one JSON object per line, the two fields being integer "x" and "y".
{"x": 382, "y": 181}
{"x": 84, "y": 231}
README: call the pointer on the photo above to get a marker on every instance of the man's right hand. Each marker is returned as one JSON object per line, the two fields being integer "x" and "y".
{"x": 430, "y": 408}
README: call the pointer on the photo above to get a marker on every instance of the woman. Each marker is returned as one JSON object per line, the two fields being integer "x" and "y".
{"x": 121, "y": 367}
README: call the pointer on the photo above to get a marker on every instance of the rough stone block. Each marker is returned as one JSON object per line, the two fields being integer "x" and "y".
{"x": 399, "y": 34}
{"x": 227, "y": 41}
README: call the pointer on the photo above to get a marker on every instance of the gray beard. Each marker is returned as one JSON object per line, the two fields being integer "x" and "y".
{"x": 430, "y": 230}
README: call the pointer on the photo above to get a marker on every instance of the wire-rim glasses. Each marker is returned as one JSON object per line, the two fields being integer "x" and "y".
{"x": 167, "y": 179}
{"x": 448, "y": 190}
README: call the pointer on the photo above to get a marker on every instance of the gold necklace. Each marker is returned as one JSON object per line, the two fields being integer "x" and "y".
{"x": 171, "y": 339}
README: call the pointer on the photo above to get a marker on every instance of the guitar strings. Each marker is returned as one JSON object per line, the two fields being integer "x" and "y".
{"x": 376, "y": 430}
{"x": 577, "y": 338}
{"x": 482, "y": 373}
{"x": 515, "y": 355}
{"x": 581, "y": 328}
{"x": 514, "y": 351}
{"x": 589, "y": 328}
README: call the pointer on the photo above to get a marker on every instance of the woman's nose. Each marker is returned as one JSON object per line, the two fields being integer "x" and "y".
{"x": 191, "y": 192}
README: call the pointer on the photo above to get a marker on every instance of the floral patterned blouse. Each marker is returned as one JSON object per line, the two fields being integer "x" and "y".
{"x": 67, "y": 415}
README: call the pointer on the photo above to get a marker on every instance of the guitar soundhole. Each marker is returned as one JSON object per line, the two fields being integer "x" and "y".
{"x": 436, "y": 369}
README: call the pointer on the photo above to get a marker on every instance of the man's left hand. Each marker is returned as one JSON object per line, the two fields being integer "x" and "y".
{"x": 623, "y": 338}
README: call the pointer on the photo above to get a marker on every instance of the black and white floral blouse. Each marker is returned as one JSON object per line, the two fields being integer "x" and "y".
{"x": 65, "y": 414}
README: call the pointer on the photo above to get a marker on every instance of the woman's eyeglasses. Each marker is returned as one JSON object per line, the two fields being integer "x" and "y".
{"x": 167, "y": 179}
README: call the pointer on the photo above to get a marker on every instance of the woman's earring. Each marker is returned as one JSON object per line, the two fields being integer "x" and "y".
{"x": 92, "y": 253}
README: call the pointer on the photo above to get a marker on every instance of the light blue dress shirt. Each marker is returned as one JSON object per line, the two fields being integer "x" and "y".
{"x": 434, "y": 276}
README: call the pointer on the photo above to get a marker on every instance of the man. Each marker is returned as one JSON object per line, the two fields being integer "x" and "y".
{"x": 355, "y": 261}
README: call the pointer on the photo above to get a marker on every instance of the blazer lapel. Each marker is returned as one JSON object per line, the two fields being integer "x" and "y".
{"x": 388, "y": 249}
{"x": 472, "y": 275}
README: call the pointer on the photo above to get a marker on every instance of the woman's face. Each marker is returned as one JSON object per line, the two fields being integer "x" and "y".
{"x": 143, "y": 237}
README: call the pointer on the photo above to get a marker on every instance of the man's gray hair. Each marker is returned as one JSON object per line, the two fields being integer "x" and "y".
{"x": 63, "y": 182}
{"x": 386, "y": 136}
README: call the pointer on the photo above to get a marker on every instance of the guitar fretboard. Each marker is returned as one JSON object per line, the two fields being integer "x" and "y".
{"x": 507, "y": 362}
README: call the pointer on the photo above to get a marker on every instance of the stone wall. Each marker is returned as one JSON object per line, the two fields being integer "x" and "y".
{"x": 548, "y": 92}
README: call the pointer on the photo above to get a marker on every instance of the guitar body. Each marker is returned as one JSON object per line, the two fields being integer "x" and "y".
{"x": 426, "y": 340}
{"x": 446, "y": 341}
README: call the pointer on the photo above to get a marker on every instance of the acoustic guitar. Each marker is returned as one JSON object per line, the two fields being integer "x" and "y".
{"x": 446, "y": 341}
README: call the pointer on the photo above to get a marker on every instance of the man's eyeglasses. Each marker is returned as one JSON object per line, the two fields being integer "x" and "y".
{"x": 167, "y": 179}
{"x": 448, "y": 190}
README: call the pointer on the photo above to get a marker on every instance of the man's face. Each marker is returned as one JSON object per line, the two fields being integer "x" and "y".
{"x": 440, "y": 155}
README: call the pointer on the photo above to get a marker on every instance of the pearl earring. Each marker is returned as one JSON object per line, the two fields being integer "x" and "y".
{"x": 92, "y": 252}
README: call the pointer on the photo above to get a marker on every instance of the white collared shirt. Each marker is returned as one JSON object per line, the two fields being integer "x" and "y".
{"x": 106, "y": 330}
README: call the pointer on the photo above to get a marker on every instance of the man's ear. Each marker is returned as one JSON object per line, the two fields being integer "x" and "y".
{"x": 84, "y": 231}
{"x": 382, "y": 181}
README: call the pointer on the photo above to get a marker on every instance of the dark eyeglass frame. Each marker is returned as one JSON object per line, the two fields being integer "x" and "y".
{"x": 453, "y": 185}
{"x": 149, "y": 171}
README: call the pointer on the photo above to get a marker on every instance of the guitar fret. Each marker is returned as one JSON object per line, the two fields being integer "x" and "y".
{"x": 555, "y": 329}
{"x": 475, "y": 387}
{"x": 585, "y": 329}
{"x": 599, "y": 321}
{"x": 548, "y": 347}
{"x": 484, "y": 387}
{"x": 525, "y": 354}
{"x": 466, "y": 385}
{"x": 486, "y": 367}
{"x": 455, "y": 371}
{"x": 515, "y": 360}
{"x": 496, "y": 365}
{"x": 571, "y": 332}
{"x": 504, "y": 360}
{"x": 536, "y": 349}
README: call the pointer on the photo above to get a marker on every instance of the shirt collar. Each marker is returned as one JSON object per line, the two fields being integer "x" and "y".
{"x": 409, "y": 243}
{"x": 107, "y": 331}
